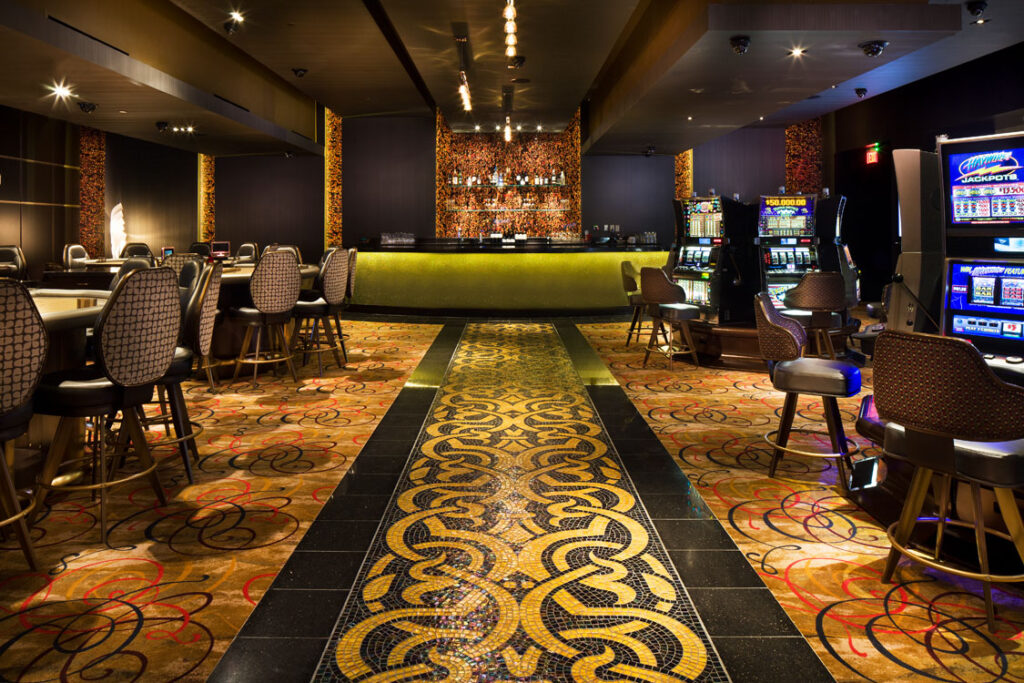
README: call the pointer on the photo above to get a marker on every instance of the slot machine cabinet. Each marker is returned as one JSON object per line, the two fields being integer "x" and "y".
{"x": 834, "y": 254}
{"x": 716, "y": 264}
{"x": 787, "y": 242}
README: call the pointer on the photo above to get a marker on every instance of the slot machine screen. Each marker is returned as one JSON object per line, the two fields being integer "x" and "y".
{"x": 985, "y": 182}
{"x": 777, "y": 292}
{"x": 786, "y": 216}
{"x": 984, "y": 303}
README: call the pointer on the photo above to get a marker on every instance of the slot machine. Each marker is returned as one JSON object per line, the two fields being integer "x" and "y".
{"x": 834, "y": 253}
{"x": 983, "y": 216}
{"x": 716, "y": 265}
{"x": 787, "y": 242}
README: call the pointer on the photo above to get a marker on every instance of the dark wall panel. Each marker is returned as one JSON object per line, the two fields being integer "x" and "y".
{"x": 633, "y": 192}
{"x": 38, "y": 185}
{"x": 157, "y": 187}
{"x": 749, "y": 161}
{"x": 388, "y": 177}
{"x": 271, "y": 199}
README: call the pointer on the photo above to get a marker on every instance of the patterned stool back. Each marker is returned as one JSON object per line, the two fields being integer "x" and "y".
{"x": 23, "y": 345}
{"x": 334, "y": 277}
{"x": 276, "y": 282}
{"x": 137, "y": 250}
{"x": 202, "y": 310}
{"x": 818, "y": 291}
{"x": 138, "y": 328}
{"x": 352, "y": 253}
{"x": 779, "y": 337}
{"x": 249, "y": 252}
{"x": 941, "y": 385}
{"x": 177, "y": 261}
{"x": 657, "y": 288}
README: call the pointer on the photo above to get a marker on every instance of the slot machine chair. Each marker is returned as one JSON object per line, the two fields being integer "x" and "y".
{"x": 201, "y": 248}
{"x": 74, "y": 256}
{"x": 636, "y": 299}
{"x": 920, "y": 383}
{"x": 12, "y": 262}
{"x": 781, "y": 341}
{"x": 818, "y": 302}
{"x": 138, "y": 250}
{"x": 248, "y": 252}
{"x": 667, "y": 307}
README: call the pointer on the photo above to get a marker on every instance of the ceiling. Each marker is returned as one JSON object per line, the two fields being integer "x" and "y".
{"x": 642, "y": 67}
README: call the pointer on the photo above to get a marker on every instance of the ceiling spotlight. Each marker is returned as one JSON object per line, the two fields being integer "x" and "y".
{"x": 539, "y": 127}
{"x": 510, "y": 51}
{"x": 981, "y": 20}
{"x": 122, "y": 112}
{"x": 234, "y": 19}
{"x": 190, "y": 130}
{"x": 760, "y": 118}
{"x": 299, "y": 72}
{"x": 510, "y": 10}
{"x": 833, "y": 86}
{"x": 497, "y": 127}
{"x": 740, "y": 44}
{"x": 873, "y": 48}
{"x": 87, "y": 107}
{"x": 797, "y": 52}
{"x": 510, "y": 26}
{"x": 175, "y": 130}
{"x": 477, "y": 127}
{"x": 510, "y": 39}
{"x": 237, "y": 16}
{"x": 861, "y": 92}
{"x": 689, "y": 118}
{"x": 519, "y": 126}
{"x": 60, "y": 91}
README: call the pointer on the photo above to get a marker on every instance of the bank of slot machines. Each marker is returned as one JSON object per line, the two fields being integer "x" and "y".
{"x": 717, "y": 266}
{"x": 787, "y": 242}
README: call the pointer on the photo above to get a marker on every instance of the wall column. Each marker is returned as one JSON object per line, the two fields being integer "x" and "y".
{"x": 803, "y": 157}
{"x": 92, "y": 189}
{"x": 207, "y": 206}
{"x": 332, "y": 180}
{"x": 684, "y": 174}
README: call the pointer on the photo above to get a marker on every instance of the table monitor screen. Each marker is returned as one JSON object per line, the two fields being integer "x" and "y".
{"x": 220, "y": 249}
{"x": 166, "y": 251}
{"x": 984, "y": 303}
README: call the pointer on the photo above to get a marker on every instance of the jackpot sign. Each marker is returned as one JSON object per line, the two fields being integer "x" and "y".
{"x": 989, "y": 167}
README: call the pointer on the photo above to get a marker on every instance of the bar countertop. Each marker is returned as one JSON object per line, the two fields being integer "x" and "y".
{"x": 494, "y": 246}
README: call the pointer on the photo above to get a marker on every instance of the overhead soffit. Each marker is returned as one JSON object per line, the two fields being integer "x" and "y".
{"x": 565, "y": 42}
{"x": 350, "y": 67}
{"x": 721, "y": 91}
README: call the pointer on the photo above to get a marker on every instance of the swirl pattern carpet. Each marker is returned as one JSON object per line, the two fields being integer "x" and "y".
{"x": 820, "y": 554}
{"x": 164, "y": 598}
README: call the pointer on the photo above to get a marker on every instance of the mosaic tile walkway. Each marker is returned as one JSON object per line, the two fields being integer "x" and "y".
{"x": 820, "y": 554}
{"x": 165, "y": 597}
{"x": 515, "y": 547}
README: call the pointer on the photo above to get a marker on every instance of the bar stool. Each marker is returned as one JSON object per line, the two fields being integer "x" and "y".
{"x": 782, "y": 342}
{"x": 274, "y": 287}
{"x": 203, "y": 249}
{"x": 818, "y": 302}
{"x": 294, "y": 249}
{"x": 950, "y": 417}
{"x": 666, "y": 307}
{"x": 352, "y": 254}
{"x": 137, "y": 250}
{"x": 74, "y": 256}
{"x": 636, "y": 299}
{"x": 126, "y": 268}
{"x": 195, "y": 345}
{"x": 332, "y": 281}
{"x": 24, "y": 341}
{"x": 12, "y": 262}
{"x": 136, "y": 335}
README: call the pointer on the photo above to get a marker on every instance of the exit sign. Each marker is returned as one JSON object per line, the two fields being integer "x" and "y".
{"x": 871, "y": 155}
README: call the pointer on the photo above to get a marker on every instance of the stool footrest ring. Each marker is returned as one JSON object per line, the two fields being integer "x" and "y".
{"x": 920, "y": 557}
{"x": 852, "y": 447}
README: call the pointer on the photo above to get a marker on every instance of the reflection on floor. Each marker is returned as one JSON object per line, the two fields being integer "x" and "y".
{"x": 164, "y": 600}
{"x": 515, "y": 548}
{"x": 820, "y": 555}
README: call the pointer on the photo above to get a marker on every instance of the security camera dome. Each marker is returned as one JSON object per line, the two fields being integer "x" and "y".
{"x": 740, "y": 44}
{"x": 874, "y": 48}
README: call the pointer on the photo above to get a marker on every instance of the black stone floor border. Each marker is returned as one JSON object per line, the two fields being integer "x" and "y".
{"x": 284, "y": 637}
{"x": 755, "y": 638}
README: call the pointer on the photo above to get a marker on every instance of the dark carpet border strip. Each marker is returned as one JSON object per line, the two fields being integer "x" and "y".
{"x": 755, "y": 638}
{"x": 284, "y": 637}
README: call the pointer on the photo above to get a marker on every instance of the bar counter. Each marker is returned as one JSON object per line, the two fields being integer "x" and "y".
{"x": 469, "y": 275}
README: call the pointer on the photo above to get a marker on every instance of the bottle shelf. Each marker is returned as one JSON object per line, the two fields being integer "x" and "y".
{"x": 487, "y": 186}
{"x": 505, "y": 210}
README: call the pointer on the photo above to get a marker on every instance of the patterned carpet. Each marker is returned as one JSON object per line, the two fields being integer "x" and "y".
{"x": 820, "y": 555}
{"x": 164, "y": 599}
{"x": 515, "y": 500}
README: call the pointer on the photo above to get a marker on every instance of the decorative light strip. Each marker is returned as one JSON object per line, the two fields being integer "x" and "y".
{"x": 509, "y": 15}
{"x": 467, "y": 102}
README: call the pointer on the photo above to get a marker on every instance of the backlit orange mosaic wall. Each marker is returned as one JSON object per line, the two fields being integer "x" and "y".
{"x": 467, "y": 211}
{"x": 207, "y": 205}
{"x": 332, "y": 179}
{"x": 684, "y": 174}
{"x": 803, "y": 157}
{"x": 92, "y": 188}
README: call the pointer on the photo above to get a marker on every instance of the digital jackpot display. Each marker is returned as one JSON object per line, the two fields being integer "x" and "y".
{"x": 985, "y": 303}
{"x": 786, "y": 216}
{"x": 987, "y": 187}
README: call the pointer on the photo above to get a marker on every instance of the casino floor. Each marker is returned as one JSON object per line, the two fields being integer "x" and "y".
{"x": 495, "y": 500}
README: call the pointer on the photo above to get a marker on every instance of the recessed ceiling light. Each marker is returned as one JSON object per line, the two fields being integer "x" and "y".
{"x": 237, "y": 16}
{"x": 476, "y": 127}
{"x": 981, "y": 20}
{"x": 519, "y": 126}
{"x": 539, "y": 127}
{"x": 122, "y": 111}
{"x": 797, "y": 52}
{"x": 61, "y": 90}
{"x": 497, "y": 127}
{"x": 689, "y": 118}
{"x": 833, "y": 86}
{"x": 761, "y": 118}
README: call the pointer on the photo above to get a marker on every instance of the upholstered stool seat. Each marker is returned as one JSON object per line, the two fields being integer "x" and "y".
{"x": 992, "y": 463}
{"x": 181, "y": 366}
{"x": 817, "y": 376}
{"x": 829, "y": 319}
{"x": 869, "y": 424}
{"x": 253, "y": 316}
{"x": 318, "y": 306}
{"x": 636, "y": 299}
{"x": 14, "y": 423}
{"x": 84, "y": 392}
{"x": 677, "y": 312}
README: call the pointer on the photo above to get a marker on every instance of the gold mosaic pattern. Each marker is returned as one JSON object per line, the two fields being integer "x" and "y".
{"x": 819, "y": 553}
{"x": 515, "y": 547}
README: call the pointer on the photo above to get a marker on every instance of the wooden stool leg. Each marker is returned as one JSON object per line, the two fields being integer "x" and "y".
{"x": 341, "y": 337}
{"x": 142, "y": 452}
{"x": 9, "y": 500}
{"x": 785, "y": 425}
{"x": 652, "y": 342}
{"x": 284, "y": 350}
{"x": 979, "y": 537}
{"x": 1011, "y": 516}
{"x": 54, "y": 456}
{"x": 208, "y": 364}
{"x": 688, "y": 337}
{"x": 912, "y": 505}
{"x": 333, "y": 341}
{"x": 182, "y": 428}
{"x": 945, "y": 484}
{"x": 256, "y": 366}
{"x": 836, "y": 433}
{"x": 246, "y": 340}
{"x": 633, "y": 325}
